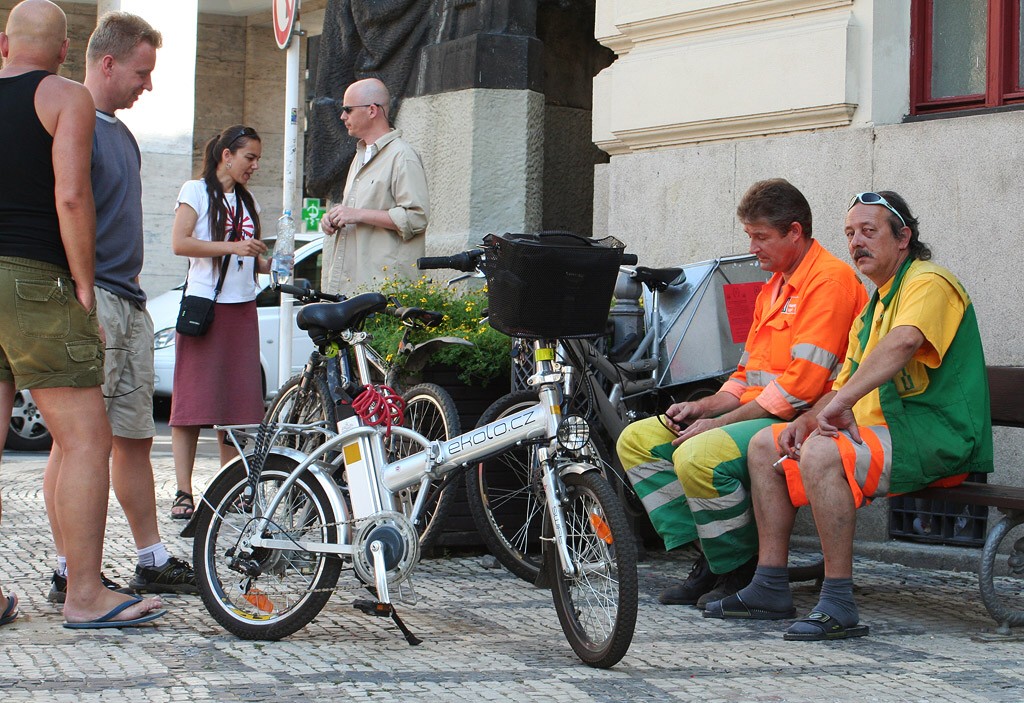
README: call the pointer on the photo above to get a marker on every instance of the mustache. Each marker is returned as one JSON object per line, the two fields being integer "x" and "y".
{"x": 858, "y": 253}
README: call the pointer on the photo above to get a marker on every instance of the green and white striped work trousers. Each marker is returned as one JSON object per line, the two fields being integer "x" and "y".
{"x": 698, "y": 490}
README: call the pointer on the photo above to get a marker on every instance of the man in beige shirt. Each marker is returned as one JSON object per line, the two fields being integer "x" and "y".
{"x": 377, "y": 228}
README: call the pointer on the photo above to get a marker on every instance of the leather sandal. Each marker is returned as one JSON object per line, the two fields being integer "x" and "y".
{"x": 187, "y": 507}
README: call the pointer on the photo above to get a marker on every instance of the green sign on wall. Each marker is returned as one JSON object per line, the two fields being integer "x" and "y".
{"x": 312, "y": 211}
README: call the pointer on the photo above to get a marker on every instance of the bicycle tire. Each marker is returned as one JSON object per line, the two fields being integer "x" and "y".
{"x": 296, "y": 405}
{"x": 430, "y": 411}
{"x": 506, "y": 500}
{"x": 292, "y": 586}
{"x": 597, "y": 607}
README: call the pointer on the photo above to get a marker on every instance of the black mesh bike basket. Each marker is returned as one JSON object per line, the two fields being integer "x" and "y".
{"x": 551, "y": 284}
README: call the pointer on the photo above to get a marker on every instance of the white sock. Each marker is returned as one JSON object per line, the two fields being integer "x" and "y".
{"x": 62, "y": 566}
{"x": 154, "y": 556}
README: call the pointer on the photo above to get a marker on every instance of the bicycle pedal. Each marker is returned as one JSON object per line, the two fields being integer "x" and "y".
{"x": 373, "y": 607}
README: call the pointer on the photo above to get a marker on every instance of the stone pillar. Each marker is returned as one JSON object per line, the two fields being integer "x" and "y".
{"x": 162, "y": 122}
{"x": 476, "y": 115}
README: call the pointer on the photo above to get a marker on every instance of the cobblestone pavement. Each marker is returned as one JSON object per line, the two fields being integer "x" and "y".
{"x": 487, "y": 637}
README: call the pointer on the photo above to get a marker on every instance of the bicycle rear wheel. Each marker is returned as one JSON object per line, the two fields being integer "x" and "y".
{"x": 505, "y": 496}
{"x": 430, "y": 411}
{"x": 282, "y": 589}
{"x": 300, "y": 406}
{"x": 596, "y": 605}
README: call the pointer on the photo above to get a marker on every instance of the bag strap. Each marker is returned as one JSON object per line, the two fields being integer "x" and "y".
{"x": 236, "y": 234}
{"x": 220, "y": 279}
{"x": 236, "y": 230}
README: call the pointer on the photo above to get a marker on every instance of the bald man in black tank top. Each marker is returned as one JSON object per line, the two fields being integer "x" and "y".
{"x": 49, "y": 341}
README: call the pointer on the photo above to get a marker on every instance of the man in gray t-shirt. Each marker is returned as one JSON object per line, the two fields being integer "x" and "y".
{"x": 120, "y": 58}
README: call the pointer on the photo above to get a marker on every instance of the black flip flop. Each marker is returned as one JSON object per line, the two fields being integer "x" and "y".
{"x": 733, "y": 608}
{"x": 827, "y": 628}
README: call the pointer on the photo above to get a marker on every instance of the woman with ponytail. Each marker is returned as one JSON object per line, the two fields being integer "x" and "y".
{"x": 217, "y": 375}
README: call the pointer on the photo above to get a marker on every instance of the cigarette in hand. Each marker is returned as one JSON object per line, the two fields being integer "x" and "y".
{"x": 783, "y": 458}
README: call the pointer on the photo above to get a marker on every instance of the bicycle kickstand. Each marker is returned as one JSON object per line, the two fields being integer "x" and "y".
{"x": 383, "y": 607}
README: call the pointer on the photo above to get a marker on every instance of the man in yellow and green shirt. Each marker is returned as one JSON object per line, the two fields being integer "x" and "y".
{"x": 910, "y": 408}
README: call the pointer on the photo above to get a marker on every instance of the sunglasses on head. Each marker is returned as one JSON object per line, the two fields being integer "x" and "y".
{"x": 870, "y": 198}
{"x": 347, "y": 109}
{"x": 245, "y": 132}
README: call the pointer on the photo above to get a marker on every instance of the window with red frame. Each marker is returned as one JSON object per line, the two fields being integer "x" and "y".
{"x": 965, "y": 54}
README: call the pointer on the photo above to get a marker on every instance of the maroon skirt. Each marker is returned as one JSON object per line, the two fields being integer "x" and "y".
{"x": 217, "y": 376}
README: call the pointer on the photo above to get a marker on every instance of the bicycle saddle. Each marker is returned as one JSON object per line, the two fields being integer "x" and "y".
{"x": 319, "y": 319}
{"x": 659, "y": 279}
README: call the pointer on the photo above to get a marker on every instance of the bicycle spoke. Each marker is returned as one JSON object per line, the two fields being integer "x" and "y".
{"x": 597, "y": 602}
{"x": 260, "y": 592}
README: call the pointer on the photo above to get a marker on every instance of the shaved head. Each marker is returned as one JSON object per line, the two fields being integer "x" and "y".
{"x": 368, "y": 91}
{"x": 36, "y": 30}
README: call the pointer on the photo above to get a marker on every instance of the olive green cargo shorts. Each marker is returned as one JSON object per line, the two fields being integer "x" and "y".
{"x": 47, "y": 339}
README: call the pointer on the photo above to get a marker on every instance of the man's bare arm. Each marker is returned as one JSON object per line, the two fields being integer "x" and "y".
{"x": 885, "y": 361}
{"x": 72, "y": 155}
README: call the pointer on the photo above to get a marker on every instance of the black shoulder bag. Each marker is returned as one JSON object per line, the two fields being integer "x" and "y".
{"x": 196, "y": 313}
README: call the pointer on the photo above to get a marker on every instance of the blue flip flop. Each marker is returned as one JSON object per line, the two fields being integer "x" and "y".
{"x": 822, "y": 627}
{"x": 108, "y": 619}
{"x": 11, "y": 611}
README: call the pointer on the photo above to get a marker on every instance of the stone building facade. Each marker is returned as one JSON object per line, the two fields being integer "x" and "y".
{"x": 707, "y": 96}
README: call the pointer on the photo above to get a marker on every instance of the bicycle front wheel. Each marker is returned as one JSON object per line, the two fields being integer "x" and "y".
{"x": 597, "y": 603}
{"x": 505, "y": 495}
{"x": 270, "y": 593}
{"x": 430, "y": 411}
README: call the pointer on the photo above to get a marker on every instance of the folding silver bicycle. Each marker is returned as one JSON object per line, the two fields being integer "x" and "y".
{"x": 276, "y": 526}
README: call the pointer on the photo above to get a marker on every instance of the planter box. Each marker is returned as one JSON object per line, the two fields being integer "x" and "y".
{"x": 471, "y": 401}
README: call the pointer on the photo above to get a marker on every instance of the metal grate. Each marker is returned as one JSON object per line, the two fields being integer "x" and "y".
{"x": 939, "y": 521}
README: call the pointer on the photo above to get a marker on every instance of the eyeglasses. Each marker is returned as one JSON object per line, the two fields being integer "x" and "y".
{"x": 875, "y": 199}
{"x": 245, "y": 132}
{"x": 347, "y": 109}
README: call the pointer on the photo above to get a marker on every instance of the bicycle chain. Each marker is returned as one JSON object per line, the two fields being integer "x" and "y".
{"x": 354, "y": 524}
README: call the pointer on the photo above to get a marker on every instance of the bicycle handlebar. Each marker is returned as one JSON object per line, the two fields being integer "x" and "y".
{"x": 427, "y": 317}
{"x": 466, "y": 261}
{"x": 307, "y": 293}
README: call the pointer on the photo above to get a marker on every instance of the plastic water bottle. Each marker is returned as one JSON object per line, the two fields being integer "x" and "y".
{"x": 283, "y": 260}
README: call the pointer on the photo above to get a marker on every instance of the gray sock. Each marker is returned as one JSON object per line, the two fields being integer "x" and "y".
{"x": 769, "y": 589}
{"x": 836, "y": 599}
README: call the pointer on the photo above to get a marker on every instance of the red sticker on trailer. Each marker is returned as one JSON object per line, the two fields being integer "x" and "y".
{"x": 739, "y": 307}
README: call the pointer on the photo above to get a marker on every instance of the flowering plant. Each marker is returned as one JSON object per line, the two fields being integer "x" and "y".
{"x": 462, "y": 308}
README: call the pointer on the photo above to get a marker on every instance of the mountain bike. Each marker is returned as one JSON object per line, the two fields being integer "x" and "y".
{"x": 429, "y": 408}
{"x": 610, "y": 388}
{"x": 275, "y": 527}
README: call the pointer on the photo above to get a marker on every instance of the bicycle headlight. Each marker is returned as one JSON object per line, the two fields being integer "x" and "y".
{"x": 573, "y": 433}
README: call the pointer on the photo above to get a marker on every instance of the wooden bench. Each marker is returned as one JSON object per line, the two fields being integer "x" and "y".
{"x": 1006, "y": 387}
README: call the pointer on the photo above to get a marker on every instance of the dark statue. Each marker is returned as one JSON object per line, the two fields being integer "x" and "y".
{"x": 417, "y": 47}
